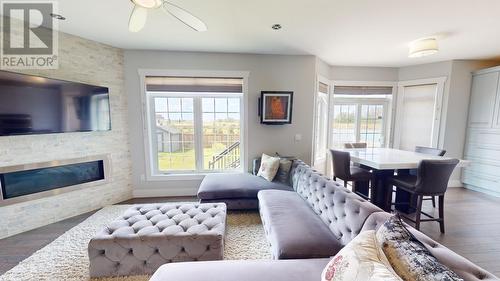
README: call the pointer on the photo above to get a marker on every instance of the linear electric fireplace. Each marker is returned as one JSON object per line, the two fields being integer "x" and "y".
{"x": 27, "y": 182}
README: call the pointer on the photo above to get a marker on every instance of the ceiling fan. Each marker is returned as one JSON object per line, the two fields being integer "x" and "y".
{"x": 140, "y": 12}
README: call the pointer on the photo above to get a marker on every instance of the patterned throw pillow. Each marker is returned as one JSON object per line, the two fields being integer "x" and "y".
{"x": 360, "y": 260}
{"x": 284, "y": 170}
{"x": 268, "y": 167}
{"x": 409, "y": 257}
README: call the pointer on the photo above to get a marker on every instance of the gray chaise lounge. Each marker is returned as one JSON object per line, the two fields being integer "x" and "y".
{"x": 239, "y": 190}
{"x": 291, "y": 219}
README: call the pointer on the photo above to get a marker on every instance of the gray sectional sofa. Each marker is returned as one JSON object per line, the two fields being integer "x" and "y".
{"x": 305, "y": 227}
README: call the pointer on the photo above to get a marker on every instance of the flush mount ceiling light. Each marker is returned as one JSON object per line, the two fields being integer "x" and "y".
{"x": 140, "y": 13}
{"x": 423, "y": 47}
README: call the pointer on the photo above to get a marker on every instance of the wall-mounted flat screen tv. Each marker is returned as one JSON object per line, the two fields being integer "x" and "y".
{"x": 38, "y": 105}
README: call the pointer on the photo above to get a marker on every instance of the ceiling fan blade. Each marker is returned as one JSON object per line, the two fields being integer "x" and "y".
{"x": 184, "y": 16}
{"x": 137, "y": 19}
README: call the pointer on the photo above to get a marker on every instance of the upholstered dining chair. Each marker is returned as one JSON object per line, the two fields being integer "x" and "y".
{"x": 342, "y": 169}
{"x": 429, "y": 151}
{"x": 431, "y": 180}
{"x": 355, "y": 145}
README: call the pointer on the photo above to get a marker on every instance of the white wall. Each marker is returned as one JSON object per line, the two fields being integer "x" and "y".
{"x": 267, "y": 72}
{"x": 88, "y": 62}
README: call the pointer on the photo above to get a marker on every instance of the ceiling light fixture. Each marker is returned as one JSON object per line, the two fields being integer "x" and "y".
{"x": 57, "y": 16}
{"x": 276, "y": 26}
{"x": 423, "y": 47}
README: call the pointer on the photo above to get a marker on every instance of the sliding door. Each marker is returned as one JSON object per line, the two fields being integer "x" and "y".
{"x": 364, "y": 121}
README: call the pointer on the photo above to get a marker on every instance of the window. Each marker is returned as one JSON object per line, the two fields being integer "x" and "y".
{"x": 360, "y": 115}
{"x": 195, "y": 124}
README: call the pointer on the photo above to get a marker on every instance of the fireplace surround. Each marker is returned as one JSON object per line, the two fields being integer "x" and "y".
{"x": 27, "y": 182}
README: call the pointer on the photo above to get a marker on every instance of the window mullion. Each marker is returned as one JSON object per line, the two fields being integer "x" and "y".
{"x": 198, "y": 136}
{"x": 358, "y": 122}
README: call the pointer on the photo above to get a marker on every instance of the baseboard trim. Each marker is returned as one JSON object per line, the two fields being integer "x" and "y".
{"x": 482, "y": 190}
{"x": 455, "y": 183}
{"x": 164, "y": 192}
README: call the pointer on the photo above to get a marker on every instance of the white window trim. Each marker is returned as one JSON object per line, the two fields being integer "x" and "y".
{"x": 326, "y": 81}
{"x": 440, "y": 109}
{"x": 146, "y": 120}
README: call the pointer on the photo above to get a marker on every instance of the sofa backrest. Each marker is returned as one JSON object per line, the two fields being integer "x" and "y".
{"x": 343, "y": 211}
{"x": 347, "y": 214}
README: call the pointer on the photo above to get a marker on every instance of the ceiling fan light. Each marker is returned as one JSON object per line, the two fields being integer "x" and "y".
{"x": 149, "y": 4}
{"x": 423, "y": 47}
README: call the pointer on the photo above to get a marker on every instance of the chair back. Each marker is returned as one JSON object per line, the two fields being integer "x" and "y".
{"x": 355, "y": 145}
{"x": 433, "y": 176}
{"x": 430, "y": 150}
{"x": 341, "y": 162}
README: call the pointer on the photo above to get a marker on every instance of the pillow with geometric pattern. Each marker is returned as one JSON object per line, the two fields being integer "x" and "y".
{"x": 409, "y": 258}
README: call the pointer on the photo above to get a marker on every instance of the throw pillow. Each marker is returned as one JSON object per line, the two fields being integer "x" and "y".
{"x": 268, "y": 167}
{"x": 360, "y": 260}
{"x": 409, "y": 257}
{"x": 284, "y": 170}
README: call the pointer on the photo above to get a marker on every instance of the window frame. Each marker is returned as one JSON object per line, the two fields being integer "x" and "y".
{"x": 359, "y": 102}
{"x": 151, "y": 169}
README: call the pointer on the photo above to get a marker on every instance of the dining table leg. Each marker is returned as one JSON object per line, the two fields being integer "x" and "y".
{"x": 380, "y": 188}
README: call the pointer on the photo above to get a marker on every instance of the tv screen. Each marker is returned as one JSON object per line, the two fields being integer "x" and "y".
{"x": 38, "y": 105}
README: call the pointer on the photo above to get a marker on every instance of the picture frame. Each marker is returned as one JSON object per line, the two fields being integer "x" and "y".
{"x": 276, "y": 107}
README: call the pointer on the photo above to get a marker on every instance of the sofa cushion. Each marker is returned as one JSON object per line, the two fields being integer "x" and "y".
{"x": 283, "y": 174}
{"x": 293, "y": 229}
{"x": 241, "y": 185}
{"x": 460, "y": 265}
{"x": 409, "y": 258}
{"x": 246, "y": 270}
{"x": 360, "y": 260}
{"x": 268, "y": 167}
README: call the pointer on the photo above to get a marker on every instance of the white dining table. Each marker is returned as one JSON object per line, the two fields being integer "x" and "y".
{"x": 392, "y": 159}
{"x": 383, "y": 162}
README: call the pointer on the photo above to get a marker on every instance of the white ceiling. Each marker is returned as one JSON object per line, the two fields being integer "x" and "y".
{"x": 341, "y": 32}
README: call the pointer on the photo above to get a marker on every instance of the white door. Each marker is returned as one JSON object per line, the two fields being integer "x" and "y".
{"x": 418, "y": 116}
{"x": 320, "y": 131}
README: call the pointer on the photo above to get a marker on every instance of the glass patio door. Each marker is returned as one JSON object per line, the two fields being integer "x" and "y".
{"x": 359, "y": 122}
{"x": 321, "y": 130}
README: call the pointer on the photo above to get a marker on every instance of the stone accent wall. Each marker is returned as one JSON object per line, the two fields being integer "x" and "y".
{"x": 89, "y": 62}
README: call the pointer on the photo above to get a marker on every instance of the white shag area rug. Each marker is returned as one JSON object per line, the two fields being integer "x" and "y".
{"x": 66, "y": 257}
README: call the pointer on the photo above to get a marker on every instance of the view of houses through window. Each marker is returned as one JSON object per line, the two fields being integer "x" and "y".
{"x": 196, "y": 131}
{"x": 176, "y": 131}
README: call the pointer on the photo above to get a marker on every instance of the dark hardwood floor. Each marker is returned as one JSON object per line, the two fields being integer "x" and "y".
{"x": 472, "y": 229}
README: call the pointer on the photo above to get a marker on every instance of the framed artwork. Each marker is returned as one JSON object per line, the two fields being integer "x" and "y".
{"x": 276, "y": 107}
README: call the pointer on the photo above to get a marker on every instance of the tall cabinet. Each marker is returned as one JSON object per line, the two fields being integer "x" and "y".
{"x": 483, "y": 134}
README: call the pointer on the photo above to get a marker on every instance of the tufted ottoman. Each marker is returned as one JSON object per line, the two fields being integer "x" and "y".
{"x": 148, "y": 236}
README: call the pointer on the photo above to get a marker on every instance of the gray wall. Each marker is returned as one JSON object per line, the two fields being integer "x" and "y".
{"x": 267, "y": 72}
{"x": 93, "y": 63}
{"x": 356, "y": 73}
